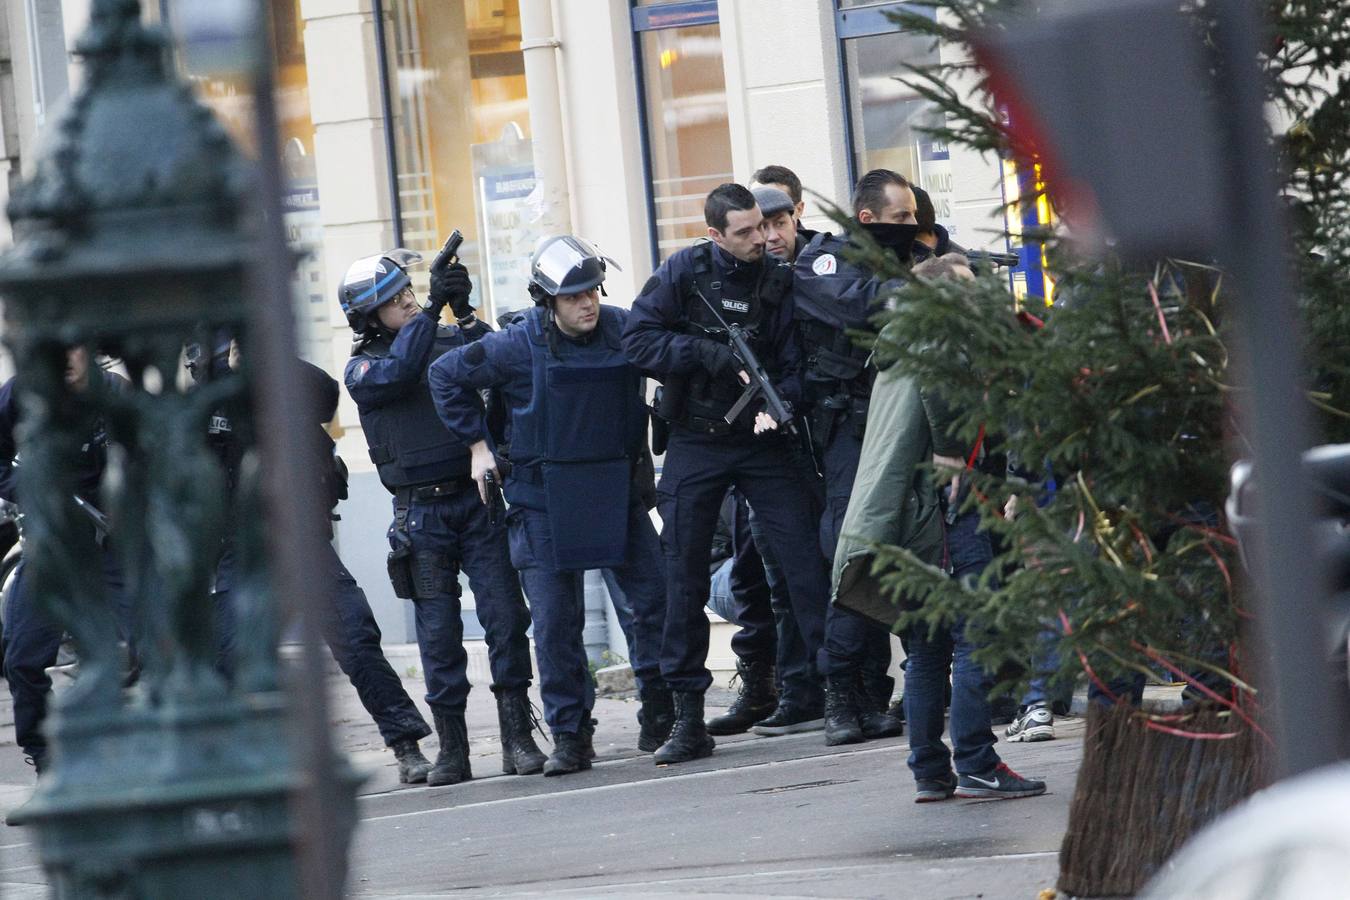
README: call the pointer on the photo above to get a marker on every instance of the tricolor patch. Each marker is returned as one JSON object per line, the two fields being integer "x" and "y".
{"x": 825, "y": 264}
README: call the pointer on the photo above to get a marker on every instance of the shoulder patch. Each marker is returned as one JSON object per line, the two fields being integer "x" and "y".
{"x": 825, "y": 264}
{"x": 652, "y": 284}
{"x": 361, "y": 369}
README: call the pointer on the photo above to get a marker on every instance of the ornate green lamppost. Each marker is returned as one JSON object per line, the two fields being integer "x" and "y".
{"x": 135, "y": 236}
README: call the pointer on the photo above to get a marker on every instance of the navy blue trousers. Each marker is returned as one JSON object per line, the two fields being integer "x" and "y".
{"x": 852, "y": 642}
{"x": 558, "y": 608}
{"x": 353, "y": 637}
{"x": 32, "y": 641}
{"x": 756, "y": 641}
{"x": 457, "y": 527}
{"x": 698, "y": 471}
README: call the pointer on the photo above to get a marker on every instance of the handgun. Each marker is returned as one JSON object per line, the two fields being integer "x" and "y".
{"x": 449, "y": 251}
{"x": 496, "y": 504}
{"x": 760, "y": 385}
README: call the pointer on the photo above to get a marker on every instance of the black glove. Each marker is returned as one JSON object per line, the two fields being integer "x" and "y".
{"x": 718, "y": 359}
{"x": 450, "y": 286}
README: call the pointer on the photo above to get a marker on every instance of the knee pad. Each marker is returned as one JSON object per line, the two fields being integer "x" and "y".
{"x": 433, "y": 575}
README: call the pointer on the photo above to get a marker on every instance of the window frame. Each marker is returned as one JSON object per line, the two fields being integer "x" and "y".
{"x": 643, "y": 19}
{"x": 854, "y": 22}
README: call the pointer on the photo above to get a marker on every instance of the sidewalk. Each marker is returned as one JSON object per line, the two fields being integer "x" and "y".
{"x": 779, "y": 817}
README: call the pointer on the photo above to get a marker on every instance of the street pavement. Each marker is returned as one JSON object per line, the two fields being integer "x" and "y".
{"x": 780, "y": 817}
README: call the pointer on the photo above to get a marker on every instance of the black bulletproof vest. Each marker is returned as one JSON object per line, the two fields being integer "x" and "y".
{"x": 835, "y": 366}
{"x": 748, "y": 300}
{"x": 409, "y": 444}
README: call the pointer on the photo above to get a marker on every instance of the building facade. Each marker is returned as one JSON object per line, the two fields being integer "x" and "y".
{"x": 514, "y": 119}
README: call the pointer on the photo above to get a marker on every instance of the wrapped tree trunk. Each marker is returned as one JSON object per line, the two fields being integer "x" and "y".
{"x": 1142, "y": 793}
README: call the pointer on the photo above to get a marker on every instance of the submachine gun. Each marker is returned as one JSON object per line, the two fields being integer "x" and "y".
{"x": 759, "y": 385}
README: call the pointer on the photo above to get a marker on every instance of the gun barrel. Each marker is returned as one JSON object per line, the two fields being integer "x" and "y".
{"x": 996, "y": 259}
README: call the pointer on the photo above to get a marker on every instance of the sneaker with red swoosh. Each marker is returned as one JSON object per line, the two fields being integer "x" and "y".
{"x": 999, "y": 783}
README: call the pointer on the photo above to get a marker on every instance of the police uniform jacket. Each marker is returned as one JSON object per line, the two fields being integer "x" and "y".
{"x": 387, "y": 378}
{"x": 93, "y": 453}
{"x": 658, "y": 338}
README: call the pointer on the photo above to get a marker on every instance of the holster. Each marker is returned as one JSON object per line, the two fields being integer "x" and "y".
{"x": 399, "y": 561}
{"x": 660, "y": 428}
{"x": 399, "y": 564}
{"x": 672, "y": 399}
{"x": 433, "y": 574}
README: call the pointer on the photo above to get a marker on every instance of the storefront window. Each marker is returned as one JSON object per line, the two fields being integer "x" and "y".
{"x": 888, "y": 128}
{"x": 688, "y": 139}
{"x": 232, "y": 101}
{"x": 462, "y": 123}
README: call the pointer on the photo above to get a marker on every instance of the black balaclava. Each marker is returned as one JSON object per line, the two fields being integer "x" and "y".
{"x": 899, "y": 239}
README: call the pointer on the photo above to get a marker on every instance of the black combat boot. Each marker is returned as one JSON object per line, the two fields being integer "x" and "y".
{"x": 572, "y": 752}
{"x": 874, "y": 715}
{"x": 452, "y": 763}
{"x": 587, "y": 732}
{"x": 657, "y": 717}
{"x": 796, "y": 712}
{"x": 756, "y": 700}
{"x": 520, "y": 754}
{"x": 412, "y": 765}
{"x": 689, "y": 738}
{"x": 841, "y": 711}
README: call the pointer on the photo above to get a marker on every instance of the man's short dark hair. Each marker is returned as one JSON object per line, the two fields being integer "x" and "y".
{"x": 924, "y": 213}
{"x": 784, "y": 176}
{"x": 723, "y": 199}
{"x": 870, "y": 192}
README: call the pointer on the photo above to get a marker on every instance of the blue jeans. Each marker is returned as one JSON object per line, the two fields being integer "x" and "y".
{"x": 457, "y": 527}
{"x": 558, "y": 607}
{"x": 932, "y": 659}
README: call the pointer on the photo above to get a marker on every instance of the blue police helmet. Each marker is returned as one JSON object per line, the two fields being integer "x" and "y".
{"x": 373, "y": 281}
{"x": 566, "y": 264}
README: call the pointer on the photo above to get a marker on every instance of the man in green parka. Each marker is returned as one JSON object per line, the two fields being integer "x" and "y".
{"x": 895, "y": 502}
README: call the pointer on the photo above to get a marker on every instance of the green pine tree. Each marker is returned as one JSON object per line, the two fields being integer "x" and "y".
{"x": 1126, "y": 399}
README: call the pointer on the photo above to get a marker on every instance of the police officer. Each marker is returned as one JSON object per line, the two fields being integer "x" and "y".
{"x": 779, "y": 691}
{"x": 678, "y": 331}
{"x": 784, "y": 239}
{"x": 578, "y": 433}
{"x": 31, "y": 640}
{"x": 439, "y": 523}
{"x": 347, "y": 623}
{"x": 831, "y": 297}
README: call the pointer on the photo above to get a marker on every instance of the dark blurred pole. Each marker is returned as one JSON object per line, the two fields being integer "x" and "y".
{"x": 387, "y": 108}
{"x": 1292, "y": 612}
{"x": 294, "y": 508}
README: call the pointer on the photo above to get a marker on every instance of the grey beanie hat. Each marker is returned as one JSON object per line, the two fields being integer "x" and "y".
{"x": 772, "y": 201}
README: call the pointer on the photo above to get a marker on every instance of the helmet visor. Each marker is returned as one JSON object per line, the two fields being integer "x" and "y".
{"x": 554, "y": 264}
{"x": 403, "y": 256}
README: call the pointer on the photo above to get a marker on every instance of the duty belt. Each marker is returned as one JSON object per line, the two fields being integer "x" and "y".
{"x": 705, "y": 426}
{"x": 440, "y": 490}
